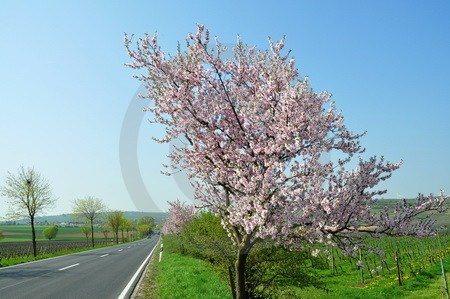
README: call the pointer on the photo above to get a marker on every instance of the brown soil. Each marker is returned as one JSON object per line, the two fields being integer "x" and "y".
{"x": 96, "y": 235}
{"x": 13, "y": 233}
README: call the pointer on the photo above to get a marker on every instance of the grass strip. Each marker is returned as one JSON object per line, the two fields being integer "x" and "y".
{"x": 179, "y": 276}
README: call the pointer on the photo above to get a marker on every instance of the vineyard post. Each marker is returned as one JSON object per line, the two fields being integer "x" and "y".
{"x": 361, "y": 266}
{"x": 332, "y": 262}
{"x": 445, "y": 279}
{"x": 399, "y": 272}
{"x": 369, "y": 268}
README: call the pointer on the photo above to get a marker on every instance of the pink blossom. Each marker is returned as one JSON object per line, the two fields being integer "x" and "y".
{"x": 255, "y": 132}
{"x": 180, "y": 214}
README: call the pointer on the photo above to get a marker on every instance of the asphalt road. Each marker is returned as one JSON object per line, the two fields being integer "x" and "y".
{"x": 99, "y": 273}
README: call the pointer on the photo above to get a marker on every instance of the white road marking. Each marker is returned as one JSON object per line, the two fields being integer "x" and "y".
{"x": 120, "y": 250}
{"x": 129, "y": 247}
{"x": 135, "y": 276}
{"x": 104, "y": 255}
{"x": 69, "y": 266}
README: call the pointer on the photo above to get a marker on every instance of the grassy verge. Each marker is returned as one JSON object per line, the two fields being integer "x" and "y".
{"x": 148, "y": 288}
{"x": 179, "y": 276}
{"x": 26, "y": 259}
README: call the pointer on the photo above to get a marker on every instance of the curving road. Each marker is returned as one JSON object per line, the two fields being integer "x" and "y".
{"x": 100, "y": 273}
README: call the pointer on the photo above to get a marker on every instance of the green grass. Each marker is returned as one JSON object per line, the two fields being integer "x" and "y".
{"x": 179, "y": 276}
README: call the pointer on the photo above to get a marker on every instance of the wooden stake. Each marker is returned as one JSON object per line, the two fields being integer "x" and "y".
{"x": 444, "y": 277}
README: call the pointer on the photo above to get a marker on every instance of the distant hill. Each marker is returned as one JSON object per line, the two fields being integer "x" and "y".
{"x": 442, "y": 220}
{"x": 390, "y": 203}
{"x": 132, "y": 215}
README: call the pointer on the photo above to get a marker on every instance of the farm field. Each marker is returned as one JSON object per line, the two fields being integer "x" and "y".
{"x": 23, "y": 251}
{"x": 22, "y": 233}
{"x": 419, "y": 269}
{"x": 16, "y": 246}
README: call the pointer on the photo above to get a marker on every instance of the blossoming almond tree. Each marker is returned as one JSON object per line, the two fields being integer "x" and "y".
{"x": 179, "y": 215}
{"x": 255, "y": 133}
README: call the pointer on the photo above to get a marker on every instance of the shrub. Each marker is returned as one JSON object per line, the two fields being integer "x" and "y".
{"x": 50, "y": 232}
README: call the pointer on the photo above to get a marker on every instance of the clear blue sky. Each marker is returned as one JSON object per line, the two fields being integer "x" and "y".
{"x": 64, "y": 90}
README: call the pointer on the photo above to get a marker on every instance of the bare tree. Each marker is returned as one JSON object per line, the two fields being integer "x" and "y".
{"x": 86, "y": 230}
{"x": 106, "y": 229}
{"x": 89, "y": 208}
{"x": 28, "y": 194}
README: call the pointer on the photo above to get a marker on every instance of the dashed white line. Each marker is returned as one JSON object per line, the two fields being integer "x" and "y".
{"x": 104, "y": 255}
{"x": 120, "y": 250}
{"x": 129, "y": 247}
{"x": 69, "y": 267}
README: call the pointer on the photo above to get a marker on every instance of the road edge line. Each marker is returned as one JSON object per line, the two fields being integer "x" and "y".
{"x": 139, "y": 283}
{"x": 136, "y": 274}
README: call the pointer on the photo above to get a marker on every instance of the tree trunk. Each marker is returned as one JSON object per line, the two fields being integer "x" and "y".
{"x": 232, "y": 284}
{"x": 33, "y": 235}
{"x": 241, "y": 260}
{"x": 92, "y": 232}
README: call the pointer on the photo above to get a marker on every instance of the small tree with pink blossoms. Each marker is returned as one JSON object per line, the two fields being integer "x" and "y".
{"x": 255, "y": 133}
{"x": 180, "y": 214}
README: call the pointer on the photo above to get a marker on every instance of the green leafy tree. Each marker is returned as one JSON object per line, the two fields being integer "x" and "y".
{"x": 125, "y": 226}
{"x": 143, "y": 230}
{"x": 90, "y": 209}
{"x": 147, "y": 220}
{"x": 271, "y": 268}
{"x": 86, "y": 230}
{"x": 204, "y": 237}
{"x": 28, "y": 193}
{"x": 115, "y": 222}
{"x": 50, "y": 232}
{"x": 1, "y": 235}
{"x": 128, "y": 225}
